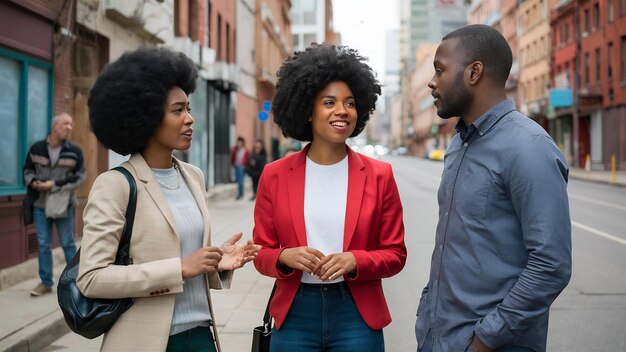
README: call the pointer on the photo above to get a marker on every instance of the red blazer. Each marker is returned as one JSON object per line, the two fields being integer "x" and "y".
{"x": 374, "y": 230}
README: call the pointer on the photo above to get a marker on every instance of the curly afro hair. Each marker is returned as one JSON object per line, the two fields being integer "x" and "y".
{"x": 307, "y": 72}
{"x": 127, "y": 102}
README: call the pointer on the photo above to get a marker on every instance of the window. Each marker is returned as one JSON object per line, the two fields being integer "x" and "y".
{"x": 622, "y": 60}
{"x": 587, "y": 64}
{"x": 219, "y": 38}
{"x": 208, "y": 26}
{"x": 596, "y": 16}
{"x": 622, "y": 7}
{"x": 587, "y": 22}
{"x": 609, "y": 59}
{"x": 609, "y": 10}
{"x": 598, "y": 66}
{"x": 308, "y": 39}
{"x": 228, "y": 42}
{"x": 296, "y": 42}
{"x": 25, "y": 111}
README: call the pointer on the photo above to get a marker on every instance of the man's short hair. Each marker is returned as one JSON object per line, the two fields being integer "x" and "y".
{"x": 485, "y": 44}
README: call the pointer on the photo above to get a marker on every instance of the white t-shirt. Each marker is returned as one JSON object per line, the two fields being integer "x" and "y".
{"x": 325, "y": 197}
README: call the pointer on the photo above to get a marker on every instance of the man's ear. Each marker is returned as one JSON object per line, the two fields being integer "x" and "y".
{"x": 476, "y": 70}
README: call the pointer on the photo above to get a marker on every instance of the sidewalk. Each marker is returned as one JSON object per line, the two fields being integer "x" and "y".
{"x": 599, "y": 176}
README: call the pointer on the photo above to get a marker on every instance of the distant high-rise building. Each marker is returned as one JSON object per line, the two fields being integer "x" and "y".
{"x": 311, "y": 22}
{"x": 422, "y": 21}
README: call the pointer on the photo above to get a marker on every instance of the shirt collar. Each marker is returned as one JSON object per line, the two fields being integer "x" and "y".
{"x": 486, "y": 120}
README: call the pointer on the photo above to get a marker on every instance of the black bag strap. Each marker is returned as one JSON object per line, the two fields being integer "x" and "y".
{"x": 123, "y": 249}
{"x": 267, "y": 319}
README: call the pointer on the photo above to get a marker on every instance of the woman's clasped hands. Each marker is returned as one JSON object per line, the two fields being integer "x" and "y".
{"x": 314, "y": 262}
{"x": 229, "y": 256}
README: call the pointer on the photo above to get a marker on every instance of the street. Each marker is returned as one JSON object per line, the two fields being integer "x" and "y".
{"x": 590, "y": 314}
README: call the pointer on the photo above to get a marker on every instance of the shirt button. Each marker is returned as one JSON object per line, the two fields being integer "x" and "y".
{"x": 441, "y": 247}
{"x": 480, "y": 133}
{"x": 465, "y": 144}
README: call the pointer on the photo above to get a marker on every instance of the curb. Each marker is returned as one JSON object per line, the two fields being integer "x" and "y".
{"x": 620, "y": 181}
{"x": 37, "y": 335}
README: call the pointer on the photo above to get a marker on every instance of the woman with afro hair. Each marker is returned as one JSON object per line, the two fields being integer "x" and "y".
{"x": 329, "y": 219}
{"x": 139, "y": 106}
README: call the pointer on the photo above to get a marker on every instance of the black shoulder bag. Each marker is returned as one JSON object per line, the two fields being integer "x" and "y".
{"x": 261, "y": 335}
{"x": 92, "y": 317}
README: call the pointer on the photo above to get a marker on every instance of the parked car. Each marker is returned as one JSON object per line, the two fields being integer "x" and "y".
{"x": 436, "y": 154}
{"x": 400, "y": 151}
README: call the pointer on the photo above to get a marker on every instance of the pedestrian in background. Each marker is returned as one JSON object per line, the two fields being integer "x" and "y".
{"x": 139, "y": 106}
{"x": 256, "y": 163}
{"x": 54, "y": 167}
{"x": 239, "y": 156}
{"x": 329, "y": 219}
{"x": 503, "y": 243}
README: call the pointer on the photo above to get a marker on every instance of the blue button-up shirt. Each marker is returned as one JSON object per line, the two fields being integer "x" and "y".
{"x": 503, "y": 244}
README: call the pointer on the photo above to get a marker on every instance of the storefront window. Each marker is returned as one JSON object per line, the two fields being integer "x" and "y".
{"x": 25, "y": 111}
{"x": 9, "y": 112}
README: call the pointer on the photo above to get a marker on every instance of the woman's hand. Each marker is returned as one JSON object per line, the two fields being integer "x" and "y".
{"x": 300, "y": 258}
{"x": 204, "y": 260}
{"x": 236, "y": 255}
{"x": 335, "y": 265}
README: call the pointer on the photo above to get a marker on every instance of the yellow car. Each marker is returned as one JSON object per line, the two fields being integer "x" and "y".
{"x": 436, "y": 154}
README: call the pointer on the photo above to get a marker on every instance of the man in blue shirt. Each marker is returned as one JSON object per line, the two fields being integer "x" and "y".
{"x": 503, "y": 245}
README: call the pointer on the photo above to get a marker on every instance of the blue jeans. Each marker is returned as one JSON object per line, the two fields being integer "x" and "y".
{"x": 325, "y": 318}
{"x": 65, "y": 229}
{"x": 240, "y": 173}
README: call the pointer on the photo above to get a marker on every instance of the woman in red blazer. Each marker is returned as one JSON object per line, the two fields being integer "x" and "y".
{"x": 329, "y": 219}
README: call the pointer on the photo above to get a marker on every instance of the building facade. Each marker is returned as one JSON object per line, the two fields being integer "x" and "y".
{"x": 35, "y": 39}
{"x": 534, "y": 43}
{"x": 589, "y": 67}
{"x": 274, "y": 43}
{"x": 247, "y": 112}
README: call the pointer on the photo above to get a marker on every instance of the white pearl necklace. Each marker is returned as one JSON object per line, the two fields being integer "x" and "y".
{"x": 165, "y": 185}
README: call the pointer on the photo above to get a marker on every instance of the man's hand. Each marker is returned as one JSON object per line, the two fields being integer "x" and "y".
{"x": 478, "y": 346}
{"x": 335, "y": 265}
{"x": 42, "y": 185}
{"x": 300, "y": 258}
{"x": 236, "y": 255}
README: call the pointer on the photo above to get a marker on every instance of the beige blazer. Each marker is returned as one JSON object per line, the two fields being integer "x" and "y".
{"x": 155, "y": 276}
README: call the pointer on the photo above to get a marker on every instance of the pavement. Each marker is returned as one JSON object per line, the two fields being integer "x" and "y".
{"x": 36, "y": 323}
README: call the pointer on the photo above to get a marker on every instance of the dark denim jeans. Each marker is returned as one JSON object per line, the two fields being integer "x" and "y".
{"x": 65, "y": 229}
{"x": 198, "y": 339}
{"x": 325, "y": 318}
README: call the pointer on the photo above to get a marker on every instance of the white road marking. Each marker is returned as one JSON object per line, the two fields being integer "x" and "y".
{"x": 599, "y": 233}
{"x": 599, "y": 202}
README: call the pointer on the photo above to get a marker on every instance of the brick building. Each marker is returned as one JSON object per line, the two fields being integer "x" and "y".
{"x": 35, "y": 71}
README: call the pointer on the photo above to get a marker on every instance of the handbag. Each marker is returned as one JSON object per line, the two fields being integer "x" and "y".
{"x": 92, "y": 317}
{"x": 261, "y": 335}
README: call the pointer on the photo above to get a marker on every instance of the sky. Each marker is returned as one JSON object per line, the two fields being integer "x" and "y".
{"x": 363, "y": 24}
